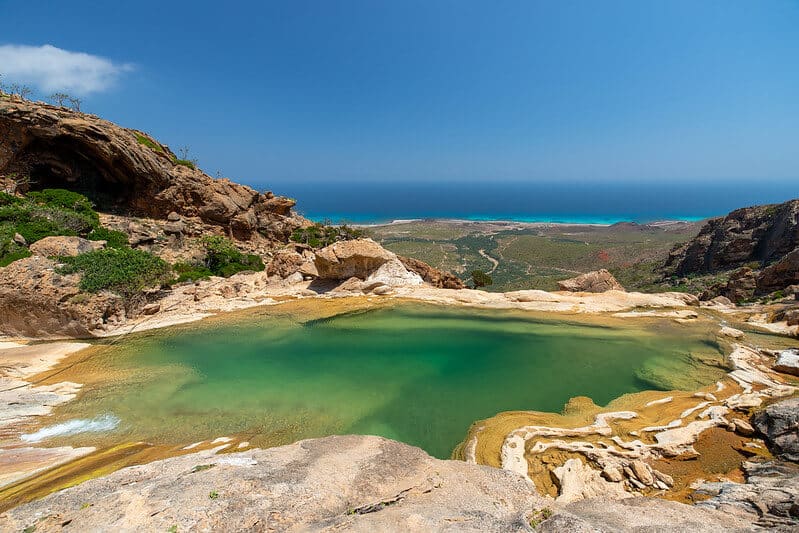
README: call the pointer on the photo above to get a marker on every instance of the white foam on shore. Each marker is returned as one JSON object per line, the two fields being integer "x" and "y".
{"x": 99, "y": 424}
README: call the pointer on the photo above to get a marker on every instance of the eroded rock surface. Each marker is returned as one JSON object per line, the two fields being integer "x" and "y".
{"x": 433, "y": 276}
{"x": 779, "y": 423}
{"x": 597, "y": 281}
{"x": 126, "y": 170}
{"x": 770, "y": 496}
{"x": 39, "y": 302}
{"x": 351, "y": 483}
{"x": 640, "y": 515}
{"x": 64, "y": 246}
{"x": 763, "y": 233}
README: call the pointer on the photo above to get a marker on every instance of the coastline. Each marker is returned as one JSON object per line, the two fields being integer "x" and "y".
{"x": 527, "y": 222}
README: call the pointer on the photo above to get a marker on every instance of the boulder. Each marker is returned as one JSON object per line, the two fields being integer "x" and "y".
{"x": 779, "y": 275}
{"x": 64, "y": 246}
{"x": 597, "y": 281}
{"x": 731, "y": 332}
{"x": 284, "y": 263}
{"x": 788, "y": 362}
{"x": 433, "y": 276}
{"x": 342, "y": 483}
{"x": 722, "y": 301}
{"x": 394, "y": 274}
{"x": 347, "y": 259}
{"x": 36, "y": 301}
{"x": 779, "y": 424}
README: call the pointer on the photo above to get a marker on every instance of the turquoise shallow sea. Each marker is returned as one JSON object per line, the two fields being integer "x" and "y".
{"x": 584, "y": 203}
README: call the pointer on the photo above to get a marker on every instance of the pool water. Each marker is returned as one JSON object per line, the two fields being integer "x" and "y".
{"x": 417, "y": 373}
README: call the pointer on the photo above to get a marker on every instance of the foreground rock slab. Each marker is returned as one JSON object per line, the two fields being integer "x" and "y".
{"x": 335, "y": 483}
{"x": 640, "y": 514}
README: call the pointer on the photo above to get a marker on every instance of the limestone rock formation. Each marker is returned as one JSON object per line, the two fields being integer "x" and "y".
{"x": 788, "y": 362}
{"x": 779, "y": 423}
{"x": 433, "y": 276}
{"x": 347, "y": 259}
{"x": 762, "y": 233}
{"x": 123, "y": 170}
{"x": 640, "y": 515}
{"x": 770, "y": 495}
{"x": 39, "y": 302}
{"x": 64, "y": 246}
{"x": 597, "y": 281}
{"x": 351, "y": 483}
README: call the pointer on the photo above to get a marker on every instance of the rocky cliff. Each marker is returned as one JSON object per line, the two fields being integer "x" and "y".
{"x": 126, "y": 171}
{"x": 761, "y": 234}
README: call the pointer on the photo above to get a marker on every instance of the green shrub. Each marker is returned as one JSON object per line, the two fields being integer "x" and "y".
{"x": 122, "y": 270}
{"x": 185, "y": 163}
{"x": 19, "y": 252}
{"x": 9, "y": 199}
{"x": 191, "y": 272}
{"x": 112, "y": 238}
{"x": 62, "y": 198}
{"x": 481, "y": 279}
{"x": 37, "y": 228}
{"x": 149, "y": 143}
{"x": 224, "y": 259}
{"x": 320, "y": 235}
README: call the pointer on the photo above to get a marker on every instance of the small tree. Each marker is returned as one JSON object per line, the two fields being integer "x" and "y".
{"x": 481, "y": 279}
{"x": 60, "y": 98}
{"x": 74, "y": 103}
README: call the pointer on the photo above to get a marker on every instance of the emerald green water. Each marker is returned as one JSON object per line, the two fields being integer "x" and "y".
{"x": 416, "y": 373}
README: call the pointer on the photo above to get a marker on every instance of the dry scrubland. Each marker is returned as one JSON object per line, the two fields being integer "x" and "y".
{"x": 538, "y": 255}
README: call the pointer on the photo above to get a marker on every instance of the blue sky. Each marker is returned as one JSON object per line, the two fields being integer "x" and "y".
{"x": 276, "y": 92}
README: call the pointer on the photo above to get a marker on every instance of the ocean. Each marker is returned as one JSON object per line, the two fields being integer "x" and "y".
{"x": 587, "y": 203}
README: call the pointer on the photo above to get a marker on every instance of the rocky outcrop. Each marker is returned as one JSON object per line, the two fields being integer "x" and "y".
{"x": 760, "y": 234}
{"x": 779, "y": 424}
{"x": 788, "y": 362}
{"x": 123, "y": 170}
{"x": 597, "y": 281}
{"x": 350, "y": 483}
{"x": 770, "y": 495}
{"x": 780, "y": 275}
{"x": 39, "y": 302}
{"x": 640, "y": 515}
{"x": 433, "y": 276}
{"x": 740, "y": 286}
{"x": 64, "y": 246}
{"x": 351, "y": 259}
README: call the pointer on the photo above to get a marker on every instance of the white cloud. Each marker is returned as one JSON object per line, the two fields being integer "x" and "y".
{"x": 51, "y": 69}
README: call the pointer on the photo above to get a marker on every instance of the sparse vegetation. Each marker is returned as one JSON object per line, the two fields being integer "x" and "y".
{"x": 224, "y": 259}
{"x": 124, "y": 271}
{"x": 320, "y": 235}
{"x": 190, "y": 272}
{"x": 540, "y": 516}
{"x": 112, "y": 238}
{"x": 213, "y": 495}
{"x": 185, "y": 159}
{"x": 149, "y": 143}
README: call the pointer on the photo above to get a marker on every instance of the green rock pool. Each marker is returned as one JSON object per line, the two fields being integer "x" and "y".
{"x": 417, "y": 373}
